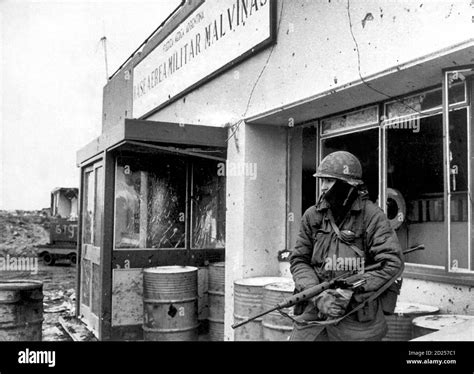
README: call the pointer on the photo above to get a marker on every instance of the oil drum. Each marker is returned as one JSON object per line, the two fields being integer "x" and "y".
{"x": 400, "y": 322}
{"x": 21, "y": 310}
{"x": 216, "y": 301}
{"x": 428, "y": 324}
{"x": 275, "y": 326}
{"x": 170, "y": 303}
{"x": 248, "y": 296}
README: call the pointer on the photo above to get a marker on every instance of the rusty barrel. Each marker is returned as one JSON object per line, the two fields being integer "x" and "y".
{"x": 276, "y": 327}
{"x": 216, "y": 301}
{"x": 399, "y": 323}
{"x": 248, "y": 297}
{"x": 170, "y": 303}
{"x": 428, "y": 324}
{"x": 21, "y": 310}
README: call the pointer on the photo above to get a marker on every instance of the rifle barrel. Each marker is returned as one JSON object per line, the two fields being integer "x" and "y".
{"x": 304, "y": 295}
{"x": 247, "y": 320}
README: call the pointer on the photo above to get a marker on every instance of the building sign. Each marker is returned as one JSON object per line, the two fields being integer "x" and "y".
{"x": 215, "y": 35}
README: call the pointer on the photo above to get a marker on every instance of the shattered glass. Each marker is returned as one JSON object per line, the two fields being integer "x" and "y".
{"x": 208, "y": 208}
{"x": 150, "y": 203}
{"x": 166, "y": 205}
{"x": 351, "y": 120}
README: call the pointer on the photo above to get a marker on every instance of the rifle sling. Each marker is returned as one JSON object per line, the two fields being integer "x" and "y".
{"x": 362, "y": 304}
{"x": 358, "y": 251}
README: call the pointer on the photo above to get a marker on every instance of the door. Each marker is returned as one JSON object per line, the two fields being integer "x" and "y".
{"x": 92, "y": 213}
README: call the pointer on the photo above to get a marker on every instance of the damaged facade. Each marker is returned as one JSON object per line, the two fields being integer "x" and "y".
{"x": 390, "y": 82}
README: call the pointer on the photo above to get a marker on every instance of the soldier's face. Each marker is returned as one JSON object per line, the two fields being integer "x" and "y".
{"x": 326, "y": 184}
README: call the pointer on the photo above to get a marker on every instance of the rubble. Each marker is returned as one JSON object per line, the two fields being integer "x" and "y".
{"x": 76, "y": 329}
{"x": 20, "y": 233}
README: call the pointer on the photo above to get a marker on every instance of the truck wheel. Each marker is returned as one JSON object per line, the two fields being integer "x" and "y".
{"x": 73, "y": 258}
{"x": 49, "y": 259}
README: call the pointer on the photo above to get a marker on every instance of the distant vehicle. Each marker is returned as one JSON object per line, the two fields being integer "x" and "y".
{"x": 63, "y": 229}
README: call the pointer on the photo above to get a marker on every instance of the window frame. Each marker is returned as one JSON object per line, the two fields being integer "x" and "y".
{"x": 189, "y": 164}
{"x": 413, "y": 270}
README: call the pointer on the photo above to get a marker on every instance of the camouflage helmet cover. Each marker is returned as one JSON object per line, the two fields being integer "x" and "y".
{"x": 341, "y": 165}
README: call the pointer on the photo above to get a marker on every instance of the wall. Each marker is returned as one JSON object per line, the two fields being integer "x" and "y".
{"x": 255, "y": 217}
{"x": 117, "y": 99}
{"x": 315, "y": 52}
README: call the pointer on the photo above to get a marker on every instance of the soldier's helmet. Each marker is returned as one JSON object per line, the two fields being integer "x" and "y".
{"x": 341, "y": 165}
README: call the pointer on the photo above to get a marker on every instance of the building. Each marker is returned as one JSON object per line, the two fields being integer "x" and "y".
{"x": 213, "y": 128}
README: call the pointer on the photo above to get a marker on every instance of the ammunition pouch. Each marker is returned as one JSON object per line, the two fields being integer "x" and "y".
{"x": 389, "y": 298}
{"x": 368, "y": 312}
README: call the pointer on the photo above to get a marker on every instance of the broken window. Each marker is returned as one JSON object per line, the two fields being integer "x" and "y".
{"x": 208, "y": 205}
{"x": 150, "y": 195}
{"x": 150, "y": 202}
{"x": 349, "y": 121}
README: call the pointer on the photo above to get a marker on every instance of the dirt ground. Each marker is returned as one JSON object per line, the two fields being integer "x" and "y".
{"x": 59, "y": 284}
{"x": 20, "y": 233}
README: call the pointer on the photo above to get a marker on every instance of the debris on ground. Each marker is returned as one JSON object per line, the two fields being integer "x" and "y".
{"x": 20, "y": 233}
{"x": 76, "y": 329}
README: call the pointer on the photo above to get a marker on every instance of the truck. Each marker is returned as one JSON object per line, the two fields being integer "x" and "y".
{"x": 63, "y": 227}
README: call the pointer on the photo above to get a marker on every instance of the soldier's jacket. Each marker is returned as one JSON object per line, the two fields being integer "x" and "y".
{"x": 373, "y": 235}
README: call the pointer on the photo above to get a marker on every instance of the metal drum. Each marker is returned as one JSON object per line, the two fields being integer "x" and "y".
{"x": 248, "y": 295}
{"x": 21, "y": 310}
{"x": 170, "y": 303}
{"x": 428, "y": 324}
{"x": 216, "y": 301}
{"x": 275, "y": 326}
{"x": 400, "y": 326}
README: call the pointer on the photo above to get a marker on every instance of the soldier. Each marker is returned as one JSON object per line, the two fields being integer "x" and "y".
{"x": 344, "y": 225}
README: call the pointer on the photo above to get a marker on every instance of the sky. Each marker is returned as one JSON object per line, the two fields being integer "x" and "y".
{"x": 52, "y": 74}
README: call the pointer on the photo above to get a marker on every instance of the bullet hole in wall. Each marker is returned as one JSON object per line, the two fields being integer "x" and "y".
{"x": 368, "y": 17}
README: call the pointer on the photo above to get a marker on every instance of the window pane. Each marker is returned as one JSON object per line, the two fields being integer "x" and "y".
{"x": 127, "y": 205}
{"x": 425, "y": 101}
{"x": 358, "y": 118}
{"x": 208, "y": 205}
{"x": 86, "y": 282}
{"x": 99, "y": 206}
{"x": 415, "y": 176}
{"x": 166, "y": 203}
{"x": 95, "y": 297}
{"x": 150, "y": 197}
{"x": 365, "y": 146}
{"x": 88, "y": 209}
{"x": 459, "y": 258}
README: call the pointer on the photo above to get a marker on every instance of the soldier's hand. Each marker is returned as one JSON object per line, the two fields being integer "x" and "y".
{"x": 333, "y": 303}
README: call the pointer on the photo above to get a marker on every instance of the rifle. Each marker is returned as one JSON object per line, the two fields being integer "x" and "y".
{"x": 316, "y": 290}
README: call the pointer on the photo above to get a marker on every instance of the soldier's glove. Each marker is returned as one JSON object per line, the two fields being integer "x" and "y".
{"x": 332, "y": 303}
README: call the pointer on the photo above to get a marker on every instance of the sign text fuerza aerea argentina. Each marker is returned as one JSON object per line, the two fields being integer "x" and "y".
{"x": 232, "y": 27}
